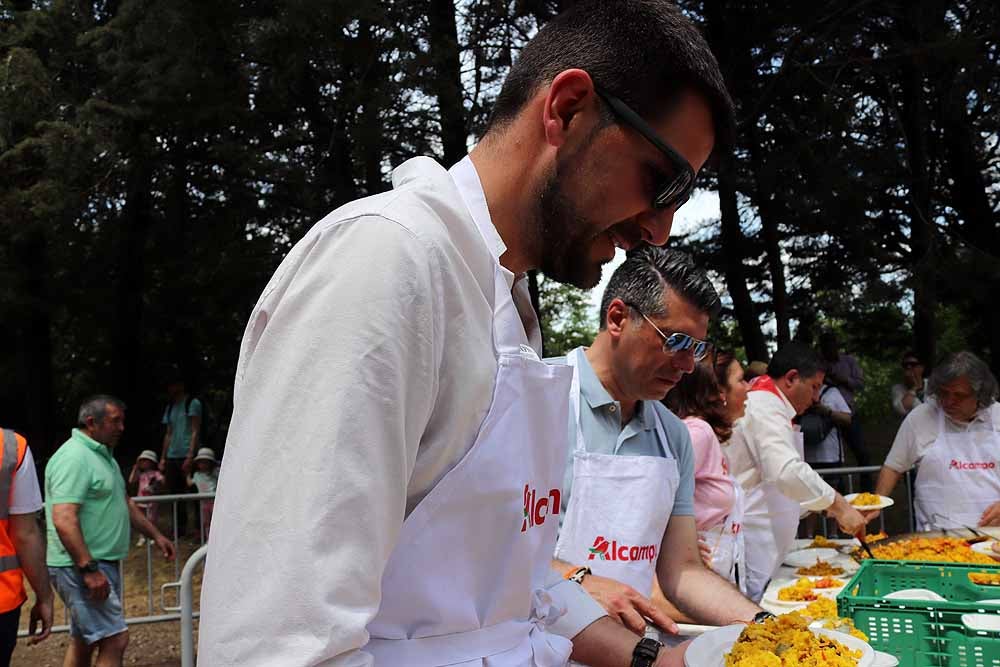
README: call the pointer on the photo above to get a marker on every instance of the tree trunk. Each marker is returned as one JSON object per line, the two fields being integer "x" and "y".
{"x": 447, "y": 84}
{"x": 369, "y": 125}
{"x": 732, "y": 244}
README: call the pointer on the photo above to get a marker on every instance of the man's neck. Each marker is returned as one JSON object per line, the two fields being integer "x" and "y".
{"x": 91, "y": 436}
{"x": 507, "y": 191}
{"x": 598, "y": 355}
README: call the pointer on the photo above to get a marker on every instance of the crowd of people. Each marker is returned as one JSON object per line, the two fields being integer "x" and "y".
{"x": 443, "y": 495}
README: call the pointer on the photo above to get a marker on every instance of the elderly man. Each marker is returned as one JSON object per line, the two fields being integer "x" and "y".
{"x": 766, "y": 457}
{"x": 88, "y": 516}
{"x": 954, "y": 438}
{"x": 627, "y": 498}
{"x": 397, "y": 346}
{"x": 22, "y": 548}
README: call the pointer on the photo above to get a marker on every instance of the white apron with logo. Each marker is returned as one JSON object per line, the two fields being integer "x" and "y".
{"x": 727, "y": 541}
{"x": 958, "y": 478}
{"x": 465, "y": 582}
{"x": 619, "y": 508}
{"x": 769, "y": 527}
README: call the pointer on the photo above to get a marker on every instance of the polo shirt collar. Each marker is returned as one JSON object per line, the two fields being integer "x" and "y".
{"x": 90, "y": 443}
{"x": 593, "y": 391}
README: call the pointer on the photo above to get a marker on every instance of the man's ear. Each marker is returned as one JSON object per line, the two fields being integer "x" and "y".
{"x": 570, "y": 94}
{"x": 616, "y": 317}
{"x": 792, "y": 376}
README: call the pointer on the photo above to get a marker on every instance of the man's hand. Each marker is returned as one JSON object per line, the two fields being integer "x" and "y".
{"x": 850, "y": 520}
{"x": 626, "y": 605}
{"x": 991, "y": 517}
{"x": 97, "y": 585}
{"x": 165, "y": 546}
{"x": 162, "y": 465}
{"x": 40, "y": 620}
{"x": 188, "y": 464}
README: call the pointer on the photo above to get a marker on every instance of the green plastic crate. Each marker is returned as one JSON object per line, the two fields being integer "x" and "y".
{"x": 923, "y": 633}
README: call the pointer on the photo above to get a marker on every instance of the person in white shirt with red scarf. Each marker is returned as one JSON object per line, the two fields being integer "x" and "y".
{"x": 954, "y": 438}
{"x": 766, "y": 457}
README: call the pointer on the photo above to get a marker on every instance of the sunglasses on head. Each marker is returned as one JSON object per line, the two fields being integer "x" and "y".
{"x": 674, "y": 190}
{"x": 677, "y": 342}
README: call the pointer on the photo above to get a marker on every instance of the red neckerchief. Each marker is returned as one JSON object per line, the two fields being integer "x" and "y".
{"x": 766, "y": 383}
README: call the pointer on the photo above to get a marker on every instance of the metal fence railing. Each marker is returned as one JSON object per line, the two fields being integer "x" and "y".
{"x": 161, "y": 612}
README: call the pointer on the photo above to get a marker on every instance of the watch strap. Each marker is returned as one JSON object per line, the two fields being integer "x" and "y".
{"x": 645, "y": 652}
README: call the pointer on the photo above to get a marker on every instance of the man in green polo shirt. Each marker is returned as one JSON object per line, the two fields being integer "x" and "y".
{"x": 88, "y": 514}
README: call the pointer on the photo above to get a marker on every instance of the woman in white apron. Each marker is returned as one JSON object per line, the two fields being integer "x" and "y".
{"x": 451, "y": 600}
{"x": 709, "y": 400}
{"x": 958, "y": 478}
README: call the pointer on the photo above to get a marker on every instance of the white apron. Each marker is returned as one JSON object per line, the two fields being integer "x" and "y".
{"x": 465, "y": 582}
{"x": 619, "y": 508}
{"x": 770, "y": 523}
{"x": 727, "y": 542}
{"x": 958, "y": 478}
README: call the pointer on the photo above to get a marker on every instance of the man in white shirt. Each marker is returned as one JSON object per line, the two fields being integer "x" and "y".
{"x": 911, "y": 391}
{"x": 832, "y": 416}
{"x": 766, "y": 457}
{"x": 954, "y": 440}
{"x": 397, "y": 347}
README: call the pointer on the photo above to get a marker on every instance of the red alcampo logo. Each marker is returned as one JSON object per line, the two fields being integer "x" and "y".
{"x": 606, "y": 550}
{"x": 972, "y": 465}
{"x": 535, "y": 510}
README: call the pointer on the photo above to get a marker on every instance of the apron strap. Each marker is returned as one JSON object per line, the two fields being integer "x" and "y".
{"x": 573, "y": 359}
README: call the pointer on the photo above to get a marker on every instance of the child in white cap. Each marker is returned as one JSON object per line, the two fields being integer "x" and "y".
{"x": 150, "y": 482}
{"x": 206, "y": 478}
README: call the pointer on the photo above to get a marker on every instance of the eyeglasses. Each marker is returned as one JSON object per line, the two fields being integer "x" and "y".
{"x": 673, "y": 191}
{"x": 677, "y": 341}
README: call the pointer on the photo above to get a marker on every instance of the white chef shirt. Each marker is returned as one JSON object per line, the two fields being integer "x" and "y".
{"x": 25, "y": 496}
{"x": 762, "y": 449}
{"x": 920, "y": 429}
{"x": 365, "y": 372}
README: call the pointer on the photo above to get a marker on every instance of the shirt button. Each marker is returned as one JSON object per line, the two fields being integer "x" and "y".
{"x": 611, "y": 408}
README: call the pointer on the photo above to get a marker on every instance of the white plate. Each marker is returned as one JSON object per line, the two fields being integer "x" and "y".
{"x": 807, "y": 557}
{"x": 990, "y": 602}
{"x": 771, "y": 594}
{"x": 985, "y": 548}
{"x": 710, "y": 649}
{"x": 915, "y": 594}
{"x": 883, "y": 502}
{"x": 982, "y": 622}
{"x": 885, "y": 660}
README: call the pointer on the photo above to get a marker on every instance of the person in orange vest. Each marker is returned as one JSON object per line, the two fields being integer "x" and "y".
{"x": 22, "y": 548}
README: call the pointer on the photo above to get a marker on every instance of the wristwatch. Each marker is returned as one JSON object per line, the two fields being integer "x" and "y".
{"x": 762, "y": 616}
{"x": 88, "y": 568}
{"x": 645, "y": 652}
{"x": 578, "y": 574}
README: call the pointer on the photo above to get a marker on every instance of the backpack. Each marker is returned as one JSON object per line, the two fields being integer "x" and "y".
{"x": 208, "y": 424}
{"x": 815, "y": 427}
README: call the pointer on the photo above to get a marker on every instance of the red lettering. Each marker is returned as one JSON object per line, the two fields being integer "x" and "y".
{"x": 633, "y": 553}
{"x": 972, "y": 465}
{"x": 622, "y": 553}
{"x": 543, "y": 504}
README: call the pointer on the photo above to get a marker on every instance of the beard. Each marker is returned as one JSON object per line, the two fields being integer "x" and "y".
{"x": 564, "y": 236}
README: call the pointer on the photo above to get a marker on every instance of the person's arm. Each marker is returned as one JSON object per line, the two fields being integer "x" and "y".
{"x": 146, "y": 527}
{"x": 341, "y": 360}
{"x": 698, "y": 592}
{"x": 194, "y": 427}
{"x": 902, "y": 456}
{"x": 29, "y": 545}
{"x": 781, "y": 464}
{"x": 605, "y": 643}
{"x": 887, "y": 480}
{"x": 167, "y": 435}
{"x": 902, "y": 399}
{"x": 66, "y": 519}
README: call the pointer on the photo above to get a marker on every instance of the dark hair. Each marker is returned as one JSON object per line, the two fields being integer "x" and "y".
{"x": 645, "y": 52}
{"x": 910, "y": 354}
{"x": 644, "y": 274}
{"x": 698, "y": 394}
{"x": 795, "y": 356}
{"x": 96, "y": 406}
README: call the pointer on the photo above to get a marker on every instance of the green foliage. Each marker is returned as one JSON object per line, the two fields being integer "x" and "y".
{"x": 568, "y": 319}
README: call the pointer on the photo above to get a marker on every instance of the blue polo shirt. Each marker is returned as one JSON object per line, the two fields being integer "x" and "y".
{"x": 600, "y": 420}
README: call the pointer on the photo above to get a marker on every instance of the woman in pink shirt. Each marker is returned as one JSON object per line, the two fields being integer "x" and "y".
{"x": 709, "y": 400}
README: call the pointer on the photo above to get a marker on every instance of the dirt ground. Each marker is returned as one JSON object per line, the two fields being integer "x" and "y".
{"x": 150, "y": 644}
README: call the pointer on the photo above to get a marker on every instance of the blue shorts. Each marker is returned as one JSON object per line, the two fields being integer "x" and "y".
{"x": 89, "y": 620}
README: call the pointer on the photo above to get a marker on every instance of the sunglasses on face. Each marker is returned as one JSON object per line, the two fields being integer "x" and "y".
{"x": 673, "y": 191}
{"x": 678, "y": 342}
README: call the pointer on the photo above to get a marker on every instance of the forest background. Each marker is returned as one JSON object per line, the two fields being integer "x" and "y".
{"x": 158, "y": 158}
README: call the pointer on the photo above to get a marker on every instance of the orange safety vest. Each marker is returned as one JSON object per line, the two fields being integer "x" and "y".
{"x": 12, "y": 593}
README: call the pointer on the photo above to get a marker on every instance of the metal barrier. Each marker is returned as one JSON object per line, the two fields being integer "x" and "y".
{"x": 849, "y": 472}
{"x": 187, "y": 606}
{"x": 172, "y": 613}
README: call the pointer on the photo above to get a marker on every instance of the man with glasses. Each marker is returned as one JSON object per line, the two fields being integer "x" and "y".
{"x": 397, "y": 346}
{"x": 627, "y": 497}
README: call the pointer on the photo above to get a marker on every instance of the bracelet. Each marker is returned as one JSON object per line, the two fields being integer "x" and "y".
{"x": 578, "y": 574}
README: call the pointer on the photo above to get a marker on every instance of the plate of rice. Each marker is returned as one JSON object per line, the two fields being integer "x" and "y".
{"x": 785, "y": 641}
{"x": 869, "y": 501}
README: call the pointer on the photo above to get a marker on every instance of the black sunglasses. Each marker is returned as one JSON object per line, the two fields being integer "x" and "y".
{"x": 675, "y": 190}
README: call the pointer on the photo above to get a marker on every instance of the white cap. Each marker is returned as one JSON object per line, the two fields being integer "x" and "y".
{"x": 205, "y": 454}
{"x": 149, "y": 455}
